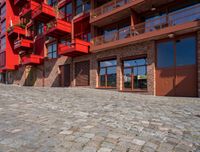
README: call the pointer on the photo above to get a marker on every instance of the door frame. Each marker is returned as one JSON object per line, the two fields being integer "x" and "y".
{"x": 174, "y": 39}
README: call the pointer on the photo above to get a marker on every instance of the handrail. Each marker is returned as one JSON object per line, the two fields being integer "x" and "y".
{"x": 108, "y": 7}
{"x": 172, "y": 19}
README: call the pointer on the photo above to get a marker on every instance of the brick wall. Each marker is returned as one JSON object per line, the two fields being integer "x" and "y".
{"x": 146, "y": 49}
{"x": 48, "y": 74}
{"x": 198, "y": 60}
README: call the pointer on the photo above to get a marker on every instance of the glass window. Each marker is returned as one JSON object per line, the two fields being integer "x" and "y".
{"x": 186, "y": 51}
{"x": 3, "y": 27}
{"x": 165, "y": 54}
{"x": 108, "y": 63}
{"x": 127, "y": 78}
{"x": 3, "y": 11}
{"x": 82, "y": 6}
{"x": 52, "y": 2}
{"x": 111, "y": 76}
{"x": 66, "y": 12}
{"x": 52, "y": 50}
{"x": 107, "y": 73}
{"x": 135, "y": 74}
{"x": 3, "y": 44}
{"x": 40, "y": 28}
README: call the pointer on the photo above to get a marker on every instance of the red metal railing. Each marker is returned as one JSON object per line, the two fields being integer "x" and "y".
{"x": 108, "y": 7}
{"x": 180, "y": 17}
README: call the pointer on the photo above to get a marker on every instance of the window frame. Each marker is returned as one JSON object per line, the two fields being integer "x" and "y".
{"x": 52, "y": 52}
{"x": 132, "y": 73}
{"x": 106, "y": 73}
{"x": 174, "y": 47}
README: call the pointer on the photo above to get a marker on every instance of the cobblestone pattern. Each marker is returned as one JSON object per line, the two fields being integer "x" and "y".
{"x": 89, "y": 120}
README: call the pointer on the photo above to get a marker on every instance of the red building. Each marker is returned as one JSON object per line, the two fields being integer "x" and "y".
{"x": 146, "y": 46}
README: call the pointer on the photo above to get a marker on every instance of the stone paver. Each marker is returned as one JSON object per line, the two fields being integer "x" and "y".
{"x": 90, "y": 120}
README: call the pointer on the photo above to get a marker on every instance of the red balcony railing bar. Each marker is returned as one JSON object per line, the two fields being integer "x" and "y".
{"x": 58, "y": 27}
{"x": 44, "y": 12}
{"x": 108, "y": 7}
{"x": 23, "y": 44}
{"x": 31, "y": 59}
{"x": 173, "y": 19}
{"x": 28, "y": 7}
{"x": 79, "y": 47}
{"x": 16, "y": 30}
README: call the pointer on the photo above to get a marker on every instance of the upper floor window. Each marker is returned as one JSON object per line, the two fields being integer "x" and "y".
{"x": 3, "y": 11}
{"x": 40, "y": 28}
{"x": 82, "y": 6}
{"x": 52, "y": 2}
{"x": 3, "y": 27}
{"x": 52, "y": 50}
{"x": 178, "y": 52}
{"x": 3, "y": 44}
{"x": 66, "y": 12}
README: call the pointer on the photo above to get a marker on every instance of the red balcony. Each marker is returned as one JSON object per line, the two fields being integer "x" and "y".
{"x": 20, "y": 2}
{"x": 79, "y": 47}
{"x": 44, "y": 13}
{"x": 58, "y": 28}
{"x": 23, "y": 44}
{"x": 31, "y": 59}
{"x": 28, "y": 7}
{"x": 15, "y": 30}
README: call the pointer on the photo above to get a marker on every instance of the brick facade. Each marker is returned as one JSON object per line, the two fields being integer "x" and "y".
{"x": 48, "y": 74}
{"x": 198, "y": 60}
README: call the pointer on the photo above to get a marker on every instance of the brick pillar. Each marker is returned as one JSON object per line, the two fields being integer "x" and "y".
{"x": 198, "y": 60}
{"x": 151, "y": 68}
{"x": 119, "y": 75}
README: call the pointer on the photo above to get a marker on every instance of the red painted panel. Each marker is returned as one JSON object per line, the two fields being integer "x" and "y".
{"x": 165, "y": 82}
{"x": 186, "y": 81}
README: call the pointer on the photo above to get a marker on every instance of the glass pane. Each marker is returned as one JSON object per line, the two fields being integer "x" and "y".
{"x": 110, "y": 34}
{"x": 186, "y": 51}
{"x": 54, "y": 55}
{"x": 136, "y": 62}
{"x": 140, "y": 77}
{"x": 54, "y": 47}
{"x": 102, "y": 77}
{"x": 127, "y": 78}
{"x": 108, "y": 63}
{"x": 165, "y": 54}
{"x": 111, "y": 76}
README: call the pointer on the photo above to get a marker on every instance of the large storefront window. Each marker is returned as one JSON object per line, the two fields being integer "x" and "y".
{"x": 135, "y": 74}
{"x": 179, "y": 52}
{"x": 107, "y": 73}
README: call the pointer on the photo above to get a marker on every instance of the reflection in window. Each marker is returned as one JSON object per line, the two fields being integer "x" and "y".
{"x": 66, "y": 12}
{"x": 52, "y": 50}
{"x": 165, "y": 54}
{"x": 82, "y": 6}
{"x": 107, "y": 73}
{"x": 135, "y": 74}
{"x": 186, "y": 51}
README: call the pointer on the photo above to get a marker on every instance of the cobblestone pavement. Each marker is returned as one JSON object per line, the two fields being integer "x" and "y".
{"x": 89, "y": 120}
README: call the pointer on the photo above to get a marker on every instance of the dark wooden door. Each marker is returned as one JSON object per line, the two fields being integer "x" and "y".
{"x": 82, "y": 73}
{"x": 65, "y": 75}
